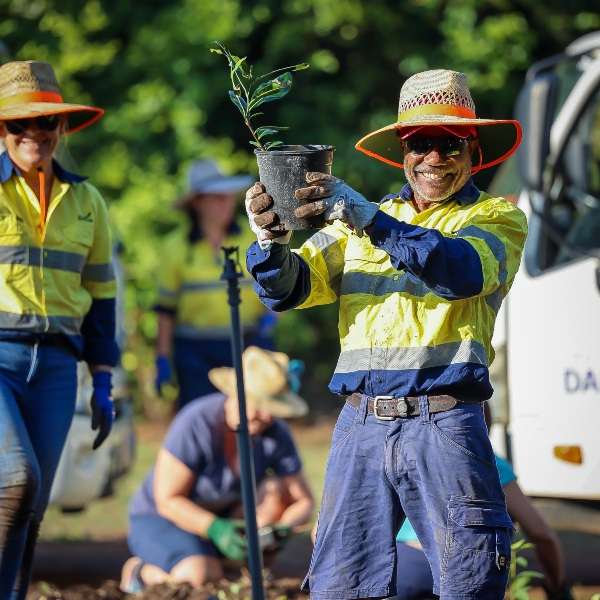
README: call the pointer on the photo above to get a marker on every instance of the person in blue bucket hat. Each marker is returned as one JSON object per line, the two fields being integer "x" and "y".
{"x": 193, "y": 314}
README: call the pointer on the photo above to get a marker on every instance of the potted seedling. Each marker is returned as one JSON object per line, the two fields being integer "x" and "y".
{"x": 282, "y": 168}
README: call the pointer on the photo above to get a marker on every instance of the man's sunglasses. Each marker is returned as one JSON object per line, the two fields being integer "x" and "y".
{"x": 448, "y": 145}
{"x": 46, "y": 123}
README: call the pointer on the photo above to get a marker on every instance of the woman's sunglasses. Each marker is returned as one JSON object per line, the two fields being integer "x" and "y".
{"x": 46, "y": 123}
{"x": 448, "y": 145}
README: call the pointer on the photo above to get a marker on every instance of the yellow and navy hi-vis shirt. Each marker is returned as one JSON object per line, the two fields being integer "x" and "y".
{"x": 59, "y": 280}
{"x": 192, "y": 291}
{"x": 418, "y": 295}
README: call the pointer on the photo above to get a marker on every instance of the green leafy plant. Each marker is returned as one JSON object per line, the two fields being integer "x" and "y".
{"x": 520, "y": 581}
{"x": 250, "y": 92}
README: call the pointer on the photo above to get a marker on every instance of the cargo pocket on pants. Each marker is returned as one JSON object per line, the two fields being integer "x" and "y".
{"x": 477, "y": 552}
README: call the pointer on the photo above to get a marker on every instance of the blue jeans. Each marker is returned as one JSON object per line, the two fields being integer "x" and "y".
{"x": 38, "y": 387}
{"x": 436, "y": 469}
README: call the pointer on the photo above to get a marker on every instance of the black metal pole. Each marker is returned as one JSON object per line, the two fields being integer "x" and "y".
{"x": 231, "y": 274}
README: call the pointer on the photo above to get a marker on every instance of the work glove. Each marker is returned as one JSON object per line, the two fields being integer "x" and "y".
{"x": 103, "y": 411}
{"x": 272, "y": 538}
{"x": 264, "y": 222}
{"x": 335, "y": 199}
{"x": 227, "y": 536}
{"x": 163, "y": 372}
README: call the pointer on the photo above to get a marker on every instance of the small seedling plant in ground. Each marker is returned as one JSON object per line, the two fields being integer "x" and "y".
{"x": 520, "y": 581}
{"x": 251, "y": 91}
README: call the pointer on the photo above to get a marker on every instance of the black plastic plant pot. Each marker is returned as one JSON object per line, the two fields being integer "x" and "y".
{"x": 282, "y": 171}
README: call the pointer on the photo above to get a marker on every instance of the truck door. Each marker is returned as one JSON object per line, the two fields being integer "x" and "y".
{"x": 554, "y": 314}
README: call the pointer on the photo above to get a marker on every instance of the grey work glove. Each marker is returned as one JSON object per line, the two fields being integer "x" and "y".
{"x": 264, "y": 222}
{"x": 335, "y": 199}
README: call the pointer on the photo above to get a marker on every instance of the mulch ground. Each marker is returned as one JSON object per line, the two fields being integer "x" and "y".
{"x": 278, "y": 589}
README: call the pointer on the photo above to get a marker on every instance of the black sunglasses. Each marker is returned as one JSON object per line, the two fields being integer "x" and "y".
{"x": 448, "y": 145}
{"x": 46, "y": 123}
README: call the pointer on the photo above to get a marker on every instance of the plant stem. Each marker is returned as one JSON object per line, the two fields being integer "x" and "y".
{"x": 247, "y": 121}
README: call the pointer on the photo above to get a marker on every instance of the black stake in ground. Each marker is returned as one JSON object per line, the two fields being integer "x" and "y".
{"x": 231, "y": 274}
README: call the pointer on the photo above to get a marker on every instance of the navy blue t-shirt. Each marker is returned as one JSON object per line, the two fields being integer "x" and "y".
{"x": 196, "y": 438}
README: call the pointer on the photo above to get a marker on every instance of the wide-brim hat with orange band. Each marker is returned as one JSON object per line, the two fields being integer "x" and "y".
{"x": 29, "y": 89}
{"x": 441, "y": 98}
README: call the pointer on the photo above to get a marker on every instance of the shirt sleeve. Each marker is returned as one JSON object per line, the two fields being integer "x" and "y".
{"x": 98, "y": 278}
{"x": 481, "y": 258}
{"x": 285, "y": 459}
{"x": 169, "y": 280}
{"x": 186, "y": 437}
{"x": 505, "y": 471}
{"x": 308, "y": 276}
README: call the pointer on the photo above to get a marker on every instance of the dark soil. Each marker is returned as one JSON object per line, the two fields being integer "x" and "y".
{"x": 279, "y": 589}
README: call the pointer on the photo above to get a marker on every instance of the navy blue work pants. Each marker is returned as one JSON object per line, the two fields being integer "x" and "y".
{"x": 436, "y": 469}
{"x": 38, "y": 387}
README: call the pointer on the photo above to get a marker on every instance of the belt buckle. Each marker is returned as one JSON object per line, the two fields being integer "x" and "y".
{"x": 375, "y": 411}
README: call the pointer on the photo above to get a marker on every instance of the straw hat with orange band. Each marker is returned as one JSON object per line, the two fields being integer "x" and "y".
{"x": 441, "y": 99}
{"x": 28, "y": 90}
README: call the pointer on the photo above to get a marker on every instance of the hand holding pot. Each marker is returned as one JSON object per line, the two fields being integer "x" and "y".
{"x": 335, "y": 199}
{"x": 264, "y": 222}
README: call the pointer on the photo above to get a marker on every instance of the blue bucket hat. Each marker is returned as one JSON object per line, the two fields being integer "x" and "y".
{"x": 205, "y": 177}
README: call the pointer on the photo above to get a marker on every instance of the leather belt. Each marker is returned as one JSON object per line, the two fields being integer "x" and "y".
{"x": 388, "y": 408}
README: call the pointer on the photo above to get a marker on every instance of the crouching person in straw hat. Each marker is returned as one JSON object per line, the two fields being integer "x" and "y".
{"x": 420, "y": 277}
{"x": 57, "y": 304}
{"x": 186, "y": 517}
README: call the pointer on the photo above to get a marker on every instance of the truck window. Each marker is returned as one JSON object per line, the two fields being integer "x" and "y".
{"x": 578, "y": 207}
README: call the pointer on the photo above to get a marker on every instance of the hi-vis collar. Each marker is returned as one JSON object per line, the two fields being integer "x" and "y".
{"x": 8, "y": 169}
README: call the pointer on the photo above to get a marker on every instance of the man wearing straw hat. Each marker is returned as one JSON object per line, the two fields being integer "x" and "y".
{"x": 420, "y": 277}
{"x": 57, "y": 304}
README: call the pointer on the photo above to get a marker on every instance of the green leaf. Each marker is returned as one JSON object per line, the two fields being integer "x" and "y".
{"x": 239, "y": 102}
{"x": 268, "y": 130}
{"x": 521, "y": 561}
{"x": 253, "y": 143}
{"x": 531, "y": 575}
{"x": 272, "y": 90}
{"x": 270, "y": 145}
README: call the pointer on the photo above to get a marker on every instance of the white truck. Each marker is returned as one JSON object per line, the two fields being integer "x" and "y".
{"x": 547, "y": 373}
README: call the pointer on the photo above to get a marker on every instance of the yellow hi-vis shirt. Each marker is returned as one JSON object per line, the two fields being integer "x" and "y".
{"x": 50, "y": 276}
{"x": 418, "y": 295}
{"x": 191, "y": 288}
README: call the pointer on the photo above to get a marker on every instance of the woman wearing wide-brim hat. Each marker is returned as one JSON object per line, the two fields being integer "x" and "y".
{"x": 57, "y": 304}
{"x": 193, "y": 314}
{"x": 184, "y": 519}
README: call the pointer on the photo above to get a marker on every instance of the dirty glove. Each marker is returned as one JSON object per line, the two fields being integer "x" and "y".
{"x": 264, "y": 222}
{"x": 335, "y": 199}
{"x": 226, "y": 535}
{"x": 103, "y": 411}
{"x": 163, "y": 372}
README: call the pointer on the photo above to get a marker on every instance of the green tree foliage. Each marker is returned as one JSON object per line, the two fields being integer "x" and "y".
{"x": 166, "y": 99}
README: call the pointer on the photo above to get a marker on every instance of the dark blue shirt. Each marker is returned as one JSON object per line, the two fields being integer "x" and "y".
{"x": 196, "y": 438}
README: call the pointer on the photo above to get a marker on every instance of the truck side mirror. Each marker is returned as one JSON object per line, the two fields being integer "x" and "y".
{"x": 534, "y": 109}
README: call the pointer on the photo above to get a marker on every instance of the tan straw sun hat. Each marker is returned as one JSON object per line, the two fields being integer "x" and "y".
{"x": 438, "y": 98}
{"x": 265, "y": 382}
{"x": 29, "y": 89}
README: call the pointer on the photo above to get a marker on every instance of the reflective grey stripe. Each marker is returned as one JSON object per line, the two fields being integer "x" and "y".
{"x": 400, "y": 359}
{"x": 101, "y": 272}
{"x": 32, "y": 256}
{"x": 37, "y": 323}
{"x": 494, "y": 300}
{"x": 496, "y": 246}
{"x": 330, "y": 249}
{"x": 355, "y": 282}
{"x": 196, "y": 286}
{"x": 167, "y": 293}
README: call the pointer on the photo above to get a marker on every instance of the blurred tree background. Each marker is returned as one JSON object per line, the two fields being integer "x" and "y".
{"x": 147, "y": 63}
